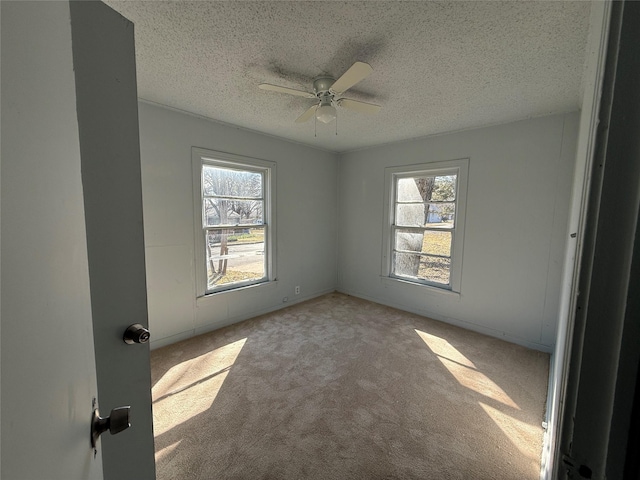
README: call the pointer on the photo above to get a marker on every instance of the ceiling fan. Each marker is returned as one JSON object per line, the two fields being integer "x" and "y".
{"x": 328, "y": 92}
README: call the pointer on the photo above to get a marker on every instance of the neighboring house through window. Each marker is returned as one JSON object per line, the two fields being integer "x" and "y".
{"x": 234, "y": 220}
{"x": 424, "y": 227}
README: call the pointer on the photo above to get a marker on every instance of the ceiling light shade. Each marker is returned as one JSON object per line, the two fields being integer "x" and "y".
{"x": 326, "y": 113}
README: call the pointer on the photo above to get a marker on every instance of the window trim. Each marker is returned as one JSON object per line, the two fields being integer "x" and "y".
{"x": 202, "y": 156}
{"x": 459, "y": 167}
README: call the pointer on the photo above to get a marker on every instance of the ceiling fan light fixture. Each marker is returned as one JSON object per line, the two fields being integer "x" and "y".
{"x": 329, "y": 93}
{"x": 326, "y": 113}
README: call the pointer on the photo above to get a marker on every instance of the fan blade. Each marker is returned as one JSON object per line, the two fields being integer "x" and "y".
{"x": 307, "y": 114}
{"x": 290, "y": 91}
{"x": 357, "y": 72}
{"x": 358, "y": 106}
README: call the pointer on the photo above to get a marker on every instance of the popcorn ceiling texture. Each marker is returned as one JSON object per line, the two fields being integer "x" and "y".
{"x": 438, "y": 66}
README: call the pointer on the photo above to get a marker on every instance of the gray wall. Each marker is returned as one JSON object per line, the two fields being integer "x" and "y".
{"x": 330, "y": 225}
{"x": 520, "y": 178}
{"x": 48, "y": 361}
{"x": 306, "y": 199}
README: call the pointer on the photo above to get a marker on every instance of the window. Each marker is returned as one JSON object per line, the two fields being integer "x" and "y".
{"x": 425, "y": 223}
{"x": 234, "y": 220}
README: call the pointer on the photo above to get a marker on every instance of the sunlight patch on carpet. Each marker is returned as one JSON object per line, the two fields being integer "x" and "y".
{"x": 191, "y": 386}
{"x": 518, "y": 432}
{"x": 464, "y": 370}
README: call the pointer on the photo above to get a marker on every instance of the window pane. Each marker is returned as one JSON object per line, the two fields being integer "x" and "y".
{"x": 435, "y": 269}
{"x": 409, "y": 240}
{"x": 235, "y": 255}
{"x": 444, "y": 189}
{"x": 433, "y": 215}
{"x": 226, "y": 182}
{"x": 414, "y": 189}
{"x": 410, "y": 215}
{"x": 222, "y": 211}
{"x": 424, "y": 267}
{"x": 440, "y": 215}
{"x": 211, "y": 212}
{"x": 406, "y": 264}
{"x": 424, "y": 188}
{"x": 430, "y": 242}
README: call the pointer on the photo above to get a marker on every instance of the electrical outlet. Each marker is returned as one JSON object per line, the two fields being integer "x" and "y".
{"x": 297, "y": 289}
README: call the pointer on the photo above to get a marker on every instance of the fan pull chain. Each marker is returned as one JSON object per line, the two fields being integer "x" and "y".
{"x": 336, "y": 125}
{"x": 315, "y": 126}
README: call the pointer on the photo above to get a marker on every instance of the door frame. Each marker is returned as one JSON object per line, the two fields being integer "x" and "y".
{"x": 596, "y": 54}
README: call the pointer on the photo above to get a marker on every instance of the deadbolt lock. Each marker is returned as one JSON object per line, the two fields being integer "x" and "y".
{"x": 136, "y": 333}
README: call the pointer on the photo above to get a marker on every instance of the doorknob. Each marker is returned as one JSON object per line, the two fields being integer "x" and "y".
{"x": 136, "y": 333}
{"x": 117, "y": 421}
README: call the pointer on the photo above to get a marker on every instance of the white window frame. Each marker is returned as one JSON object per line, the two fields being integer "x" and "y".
{"x": 200, "y": 157}
{"x": 460, "y": 168}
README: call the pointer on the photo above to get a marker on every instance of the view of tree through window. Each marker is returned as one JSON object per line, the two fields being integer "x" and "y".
{"x": 233, "y": 223}
{"x": 424, "y": 227}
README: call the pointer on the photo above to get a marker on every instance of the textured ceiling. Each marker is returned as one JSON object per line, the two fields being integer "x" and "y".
{"x": 437, "y": 66}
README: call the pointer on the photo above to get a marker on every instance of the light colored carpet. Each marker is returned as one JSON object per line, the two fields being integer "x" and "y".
{"x": 341, "y": 388}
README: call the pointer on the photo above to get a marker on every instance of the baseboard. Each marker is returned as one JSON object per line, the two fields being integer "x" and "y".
{"x": 241, "y": 318}
{"x": 454, "y": 321}
{"x": 210, "y": 327}
{"x": 178, "y": 337}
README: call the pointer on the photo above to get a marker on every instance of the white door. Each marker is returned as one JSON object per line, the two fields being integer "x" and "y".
{"x": 54, "y": 280}
{"x": 107, "y": 104}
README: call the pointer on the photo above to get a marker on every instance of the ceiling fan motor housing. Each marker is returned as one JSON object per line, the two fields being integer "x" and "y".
{"x": 325, "y": 112}
{"x": 321, "y": 86}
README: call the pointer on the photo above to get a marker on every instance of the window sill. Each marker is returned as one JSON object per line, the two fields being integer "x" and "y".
{"x": 428, "y": 289}
{"x": 204, "y": 300}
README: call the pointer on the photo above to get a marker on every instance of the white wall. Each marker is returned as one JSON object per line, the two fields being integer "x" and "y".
{"x": 306, "y": 199}
{"x": 48, "y": 363}
{"x": 520, "y": 177}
